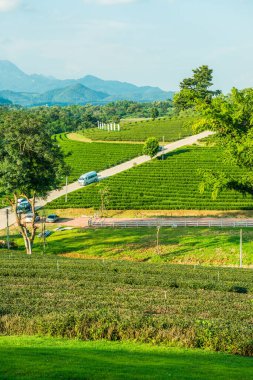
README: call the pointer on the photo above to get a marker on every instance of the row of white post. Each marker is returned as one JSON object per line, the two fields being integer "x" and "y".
{"x": 108, "y": 127}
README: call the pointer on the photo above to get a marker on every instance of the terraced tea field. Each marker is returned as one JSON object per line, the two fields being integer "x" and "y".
{"x": 169, "y": 184}
{"x": 171, "y": 129}
{"x": 94, "y": 299}
{"x": 85, "y": 157}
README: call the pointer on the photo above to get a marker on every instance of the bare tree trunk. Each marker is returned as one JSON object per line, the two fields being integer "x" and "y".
{"x": 33, "y": 227}
{"x": 22, "y": 226}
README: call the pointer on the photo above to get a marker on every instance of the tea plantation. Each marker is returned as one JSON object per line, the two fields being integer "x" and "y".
{"x": 170, "y": 128}
{"x": 85, "y": 157}
{"x": 172, "y": 183}
{"x": 91, "y": 300}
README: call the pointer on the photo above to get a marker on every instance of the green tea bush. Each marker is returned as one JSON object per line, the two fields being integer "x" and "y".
{"x": 91, "y": 300}
{"x": 84, "y": 157}
{"x": 169, "y": 184}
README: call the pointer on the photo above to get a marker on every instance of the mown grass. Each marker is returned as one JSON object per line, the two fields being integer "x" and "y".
{"x": 23, "y": 358}
{"x": 195, "y": 245}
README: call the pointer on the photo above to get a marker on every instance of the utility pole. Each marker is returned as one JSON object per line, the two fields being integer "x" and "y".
{"x": 157, "y": 238}
{"x": 66, "y": 190}
{"x": 240, "y": 248}
{"x": 43, "y": 230}
{"x": 7, "y": 229}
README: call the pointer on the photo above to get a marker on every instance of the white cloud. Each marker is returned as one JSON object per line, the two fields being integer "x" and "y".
{"x": 110, "y": 2}
{"x": 8, "y": 5}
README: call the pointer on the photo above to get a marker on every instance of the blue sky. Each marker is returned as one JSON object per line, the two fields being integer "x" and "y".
{"x": 146, "y": 42}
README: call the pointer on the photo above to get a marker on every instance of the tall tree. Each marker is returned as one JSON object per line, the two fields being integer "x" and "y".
{"x": 231, "y": 117}
{"x": 31, "y": 164}
{"x": 195, "y": 89}
{"x": 154, "y": 113}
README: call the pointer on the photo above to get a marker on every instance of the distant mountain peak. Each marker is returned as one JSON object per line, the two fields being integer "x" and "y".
{"x": 88, "y": 88}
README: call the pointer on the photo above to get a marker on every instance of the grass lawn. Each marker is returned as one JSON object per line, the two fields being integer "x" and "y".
{"x": 197, "y": 246}
{"x": 46, "y": 358}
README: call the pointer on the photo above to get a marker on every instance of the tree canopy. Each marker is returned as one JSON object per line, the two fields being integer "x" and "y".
{"x": 231, "y": 117}
{"x": 31, "y": 164}
{"x": 151, "y": 147}
{"x": 195, "y": 89}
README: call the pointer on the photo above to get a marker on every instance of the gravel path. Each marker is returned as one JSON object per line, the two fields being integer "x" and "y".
{"x": 108, "y": 173}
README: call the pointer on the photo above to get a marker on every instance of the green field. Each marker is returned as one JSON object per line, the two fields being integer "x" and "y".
{"x": 23, "y": 358}
{"x": 170, "y": 129}
{"x": 85, "y": 157}
{"x": 198, "y": 246}
{"x": 169, "y": 184}
{"x": 153, "y": 303}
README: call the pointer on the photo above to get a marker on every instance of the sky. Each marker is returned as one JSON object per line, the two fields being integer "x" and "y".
{"x": 145, "y": 42}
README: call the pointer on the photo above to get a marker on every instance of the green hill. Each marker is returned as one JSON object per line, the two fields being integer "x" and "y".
{"x": 169, "y": 129}
{"x": 73, "y": 94}
{"x": 169, "y": 184}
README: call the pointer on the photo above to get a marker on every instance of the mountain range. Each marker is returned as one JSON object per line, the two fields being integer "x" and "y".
{"x": 17, "y": 87}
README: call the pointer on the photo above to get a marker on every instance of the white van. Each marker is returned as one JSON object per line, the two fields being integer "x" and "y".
{"x": 88, "y": 178}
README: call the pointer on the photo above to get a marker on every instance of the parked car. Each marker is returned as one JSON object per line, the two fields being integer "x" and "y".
{"x": 44, "y": 234}
{"x": 22, "y": 200}
{"x": 29, "y": 218}
{"x": 88, "y": 178}
{"x": 23, "y": 207}
{"x": 52, "y": 218}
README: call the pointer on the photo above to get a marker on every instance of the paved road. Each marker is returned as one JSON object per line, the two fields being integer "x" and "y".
{"x": 108, "y": 173}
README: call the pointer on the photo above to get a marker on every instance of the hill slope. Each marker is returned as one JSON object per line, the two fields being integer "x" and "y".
{"x": 15, "y": 80}
{"x": 169, "y": 184}
{"x": 73, "y": 94}
{"x": 123, "y": 90}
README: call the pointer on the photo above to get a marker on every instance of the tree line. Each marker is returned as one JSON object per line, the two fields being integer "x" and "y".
{"x": 58, "y": 119}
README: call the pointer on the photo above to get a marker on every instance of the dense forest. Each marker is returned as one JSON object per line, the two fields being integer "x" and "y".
{"x": 72, "y": 118}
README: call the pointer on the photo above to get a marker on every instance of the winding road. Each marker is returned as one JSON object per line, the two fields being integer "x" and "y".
{"x": 107, "y": 173}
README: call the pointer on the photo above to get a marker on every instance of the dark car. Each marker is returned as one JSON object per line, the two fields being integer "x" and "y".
{"x": 23, "y": 207}
{"x": 29, "y": 218}
{"x": 52, "y": 218}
